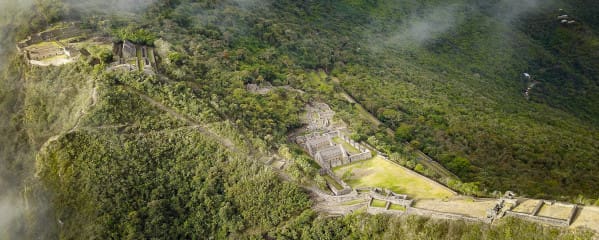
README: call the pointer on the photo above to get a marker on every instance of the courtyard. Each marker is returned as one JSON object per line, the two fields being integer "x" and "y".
{"x": 378, "y": 172}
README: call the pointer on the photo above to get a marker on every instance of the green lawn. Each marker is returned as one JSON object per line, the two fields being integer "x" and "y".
{"x": 46, "y": 44}
{"x": 397, "y": 207}
{"x": 378, "y": 172}
{"x": 349, "y": 148}
{"x": 378, "y": 203}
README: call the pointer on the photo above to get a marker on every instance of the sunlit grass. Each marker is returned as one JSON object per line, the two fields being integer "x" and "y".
{"x": 346, "y": 146}
{"x": 378, "y": 203}
{"x": 378, "y": 172}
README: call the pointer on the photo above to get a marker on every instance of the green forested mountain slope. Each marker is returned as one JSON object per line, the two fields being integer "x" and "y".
{"x": 458, "y": 87}
{"x": 446, "y": 76}
{"x": 451, "y": 73}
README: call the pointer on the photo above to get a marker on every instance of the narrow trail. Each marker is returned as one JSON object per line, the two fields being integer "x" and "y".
{"x": 93, "y": 98}
{"x": 195, "y": 87}
{"x": 203, "y": 128}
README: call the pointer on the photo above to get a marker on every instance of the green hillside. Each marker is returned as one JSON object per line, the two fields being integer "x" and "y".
{"x": 91, "y": 153}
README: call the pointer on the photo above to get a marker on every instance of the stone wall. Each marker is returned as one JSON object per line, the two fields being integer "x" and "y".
{"x": 377, "y": 210}
{"x": 139, "y": 57}
{"x": 360, "y": 156}
{"x": 427, "y": 213}
{"x": 346, "y": 188}
{"x": 339, "y": 192}
{"x": 353, "y": 143}
{"x": 572, "y": 214}
{"x": 70, "y": 31}
{"x": 539, "y": 219}
{"x": 547, "y": 220}
{"x": 47, "y": 53}
{"x": 353, "y": 195}
{"x": 316, "y": 143}
{"x": 331, "y": 156}
{"x": 390, "y": 196}
{"x": 444, "y": 215}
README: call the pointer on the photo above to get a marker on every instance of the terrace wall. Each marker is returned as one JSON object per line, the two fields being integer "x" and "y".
{"x": 444, "y": 215}
{"x": 539, "y": 219}
{"x": 360, "y": 156}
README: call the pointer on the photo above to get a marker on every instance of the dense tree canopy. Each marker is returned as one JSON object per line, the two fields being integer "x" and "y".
{"x": 177, "y": 154}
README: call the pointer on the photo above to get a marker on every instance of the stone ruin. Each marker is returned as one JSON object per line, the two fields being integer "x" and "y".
{"x": 321, "y": 147}
{"x": 390, "y": 197}
{"x": 535, "y": 217}
{"x": 504, "y": 204}
{"x": 69, "y": 31}
{"x": 345, "y": 188}
{"x": 505, "y": 207}
{"x": 319, "y": 116}
{"x": 52, "y": 43}
{"x": 329, "y": 154}
{"x": 130, "y": 56}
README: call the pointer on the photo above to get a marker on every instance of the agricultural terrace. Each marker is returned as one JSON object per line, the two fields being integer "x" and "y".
{"x": 527, "y": 206}
{"x": 378, "y": 203}
{"x": 378, "y": 172}
{"x": 555, "y": 211}
{"x": 460, "y": 205}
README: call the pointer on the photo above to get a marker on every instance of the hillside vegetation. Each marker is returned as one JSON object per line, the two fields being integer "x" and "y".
{"x": 97, "y": 154}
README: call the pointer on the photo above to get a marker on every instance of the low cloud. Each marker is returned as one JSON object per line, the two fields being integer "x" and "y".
{"x": 509, "y": 10}
{"x": 10, "y": 13}
{"x": 12, "y": 211}
{"x": 421, "y": 28}
{"x": 110, "y": 5}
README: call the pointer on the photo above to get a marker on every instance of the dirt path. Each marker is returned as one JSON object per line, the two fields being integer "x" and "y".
{"x": 93, "y": 98}
{"x": 203, "y": 128}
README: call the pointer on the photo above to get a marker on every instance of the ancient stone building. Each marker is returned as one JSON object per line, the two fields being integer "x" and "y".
{"x": 45, "y": 52}
{"x": 128, "y": 50}
{"x": 69, "y": 30}
{"x": 130, "y": 56}
{"x": 328, "y": 154}
{"x": 331, "y": 157}
{"x": 316, "y": 143}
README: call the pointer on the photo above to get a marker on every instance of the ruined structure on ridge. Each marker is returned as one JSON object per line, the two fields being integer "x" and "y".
{"x": 315, "y": 143}
{"x": 55, "y": 46}
{"x": 131, "y": 56}
{"x": 329, "y": 154}
{"x": 332, "y": 156}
